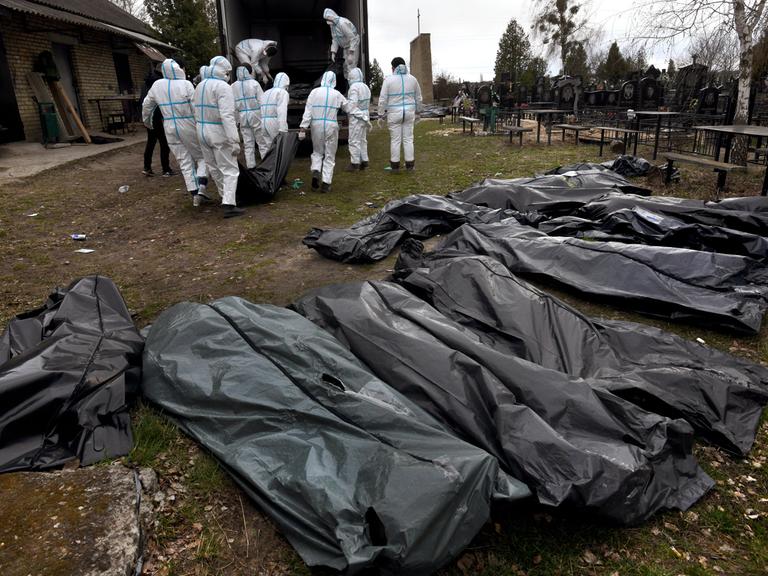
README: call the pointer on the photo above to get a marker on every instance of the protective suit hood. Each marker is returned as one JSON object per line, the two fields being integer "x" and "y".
{"x": 330, "y": 16}
{"x": 243, "y": 74}
{"x": 205, "y": 72}
{"x": 355, "y": 75}
{"x": 172, "y": 70}
{"x": 220, "y": 68}
{"x": 282, "y": 81}
{"x": 329, "y": 80}
{"x": 401, "y": 69}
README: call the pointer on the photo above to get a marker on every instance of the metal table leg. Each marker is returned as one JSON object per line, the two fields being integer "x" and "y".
{"x": 656, "y": 139}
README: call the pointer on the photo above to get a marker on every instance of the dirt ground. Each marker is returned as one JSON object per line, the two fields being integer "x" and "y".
{"x": 160, "y": 250}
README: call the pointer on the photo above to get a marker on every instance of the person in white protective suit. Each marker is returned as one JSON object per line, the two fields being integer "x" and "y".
{"x": 359, "y": 96}
{"x": 274, "y": 110}
{"x": 320, "y": 115}
{"x": 173, "y": 95}
{"x": 400, "y": 100}
{"x": 217, "y": 131}
{"x": 257, "y": 53}
{"x": 248, "y": 95}
{"x": 344, "y": 35}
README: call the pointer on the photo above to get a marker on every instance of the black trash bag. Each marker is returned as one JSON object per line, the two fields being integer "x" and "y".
{"x": 261, "y": 184}
{"x": 685, "y": 210}
{"x": 745, "y": 204}
{"x": 553, "y": 195}
{"x": 641, "y": 226}
{"x": 630, "y": 166}
{"x": 355, "y": 475}
{"x": 573, "y": 443}
{"x": 68, "y": 371}
{"x": 718, "y": 290}
{"x": 720, "y": 396}
{"x": 583, "y": 167}
{"x": 417, "y": 216}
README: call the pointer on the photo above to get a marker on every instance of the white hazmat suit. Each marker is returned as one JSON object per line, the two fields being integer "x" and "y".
{"x": 344, "y": 35}
{"x": 400, "y": 99}
{"x": 174, "y": 95}
{"x": 274, "y": 109}
{"x": 248, "y": 95}
{"x": 217, "y": 128}
{"x": 359, "y": 96}
{"x": 257, "y": 53}
{"x": 320, "y": 115}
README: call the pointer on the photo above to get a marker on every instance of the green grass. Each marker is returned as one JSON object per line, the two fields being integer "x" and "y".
{"x": 179, "y": 254}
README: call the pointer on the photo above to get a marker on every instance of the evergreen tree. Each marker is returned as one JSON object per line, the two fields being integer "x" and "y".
{"x": 377, "y": 78}
{"x": 614, "y": 69}
{"x": 190, "y": 26}
{"x": 576, "y": 63}
{"x": 671, "y": 69}
{"x": 514, "y": 52}
{"x": 637, "y": 62}
{"x": 760, "y": 57}
{"x": 537, "y": 66}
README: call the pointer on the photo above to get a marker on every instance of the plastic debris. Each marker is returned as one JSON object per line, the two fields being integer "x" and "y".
{"x": 124, "y": 188}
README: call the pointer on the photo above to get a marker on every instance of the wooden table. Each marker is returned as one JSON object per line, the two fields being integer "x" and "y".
{"x": 116, "y": 98}
{"x": 627, "y": 132}
{"x": 572, "y": 128}
{"x": 728, "y": 131}
{"x": 548, "y": 113}
{"x": 658, "y": 115}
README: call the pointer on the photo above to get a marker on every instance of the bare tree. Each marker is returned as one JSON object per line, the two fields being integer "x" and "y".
{"x": 718, "y": 51}
{"x": 133, "y": 7}
{"x": 672, "y": 20}
{"x": 559, "y": 24}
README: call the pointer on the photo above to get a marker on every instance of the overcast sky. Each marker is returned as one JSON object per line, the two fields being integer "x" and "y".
{"x": 466, "y": 33}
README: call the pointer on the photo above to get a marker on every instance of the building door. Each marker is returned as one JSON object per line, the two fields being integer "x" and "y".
{"x": 62, "y": 56}
{"x": 11, "y": 128}
{"x": 123, "y": 71}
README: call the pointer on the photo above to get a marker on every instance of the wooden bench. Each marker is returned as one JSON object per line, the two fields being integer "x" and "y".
{"x": 573, "y": 128}
{"x": 722, "y": 168}
{"x": 464, "y": 120}
{"x": 517, "y": 130}
{"x": 627, "y": 132}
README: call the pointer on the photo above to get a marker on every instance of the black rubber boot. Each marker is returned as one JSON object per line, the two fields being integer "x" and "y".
{"x": 353, "y": 168}
{"x": 363, "y": 164}
{"x": 395, "y": 167}
{"x": 231, "y": 211}
{"x": 315, "y": 180}
{"x": 325, "y": 187}
{"x": 410, "y": 166}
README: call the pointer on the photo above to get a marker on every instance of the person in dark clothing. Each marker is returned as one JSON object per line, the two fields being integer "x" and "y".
{"x": 156, "y": 134}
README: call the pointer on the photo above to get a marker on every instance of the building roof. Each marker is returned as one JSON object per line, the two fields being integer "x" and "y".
{"x": 98, "y": 14}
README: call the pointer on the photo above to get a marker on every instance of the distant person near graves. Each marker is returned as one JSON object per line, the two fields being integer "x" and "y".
{"x": 359, "y": 96}
{"x": 321, "y": 117}
{"x": 400, "y": 100}
{"x": 217, "y": 131}
{"x": 248, "y": 96}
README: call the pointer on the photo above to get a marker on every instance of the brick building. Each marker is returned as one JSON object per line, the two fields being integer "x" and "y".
{"x": 99, "y": 50}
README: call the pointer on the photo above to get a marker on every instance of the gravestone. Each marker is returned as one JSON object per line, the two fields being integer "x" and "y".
{"x": 629, "y": 94}
{"x": 650, "y": 93}
{"x": 708, "y": 99}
